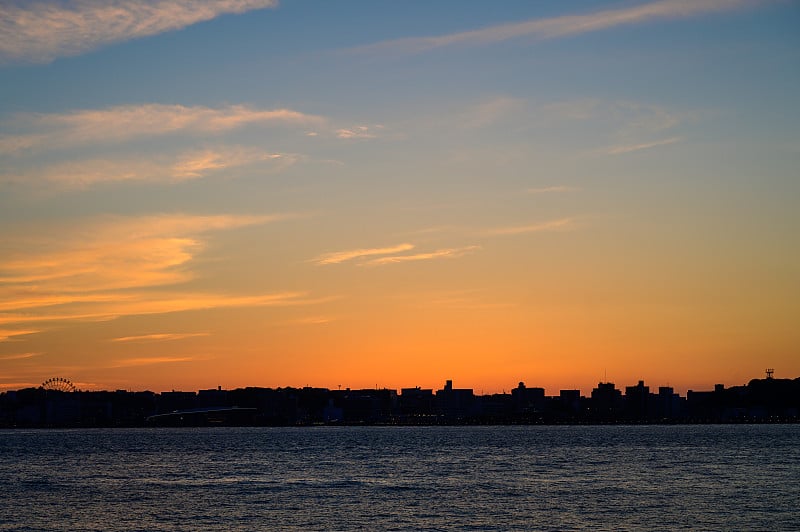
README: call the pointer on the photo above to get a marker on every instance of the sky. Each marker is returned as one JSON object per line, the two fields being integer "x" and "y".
{"x": 391, "y": 194}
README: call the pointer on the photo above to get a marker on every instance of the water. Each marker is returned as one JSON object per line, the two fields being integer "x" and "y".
{"x": 402, "y": 478}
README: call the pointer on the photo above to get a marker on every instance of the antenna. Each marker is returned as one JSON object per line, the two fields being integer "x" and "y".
{"x": 769, "y": 372}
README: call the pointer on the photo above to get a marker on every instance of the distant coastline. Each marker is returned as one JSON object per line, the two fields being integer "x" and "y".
{"x": 760, "y": 401}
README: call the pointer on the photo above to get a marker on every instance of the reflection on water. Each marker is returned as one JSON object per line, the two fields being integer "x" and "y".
{"x": 540, "y": 477}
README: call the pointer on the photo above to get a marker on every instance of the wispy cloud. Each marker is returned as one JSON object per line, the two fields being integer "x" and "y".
{"x": 7, "y": 334}
{"x": 553, "y": 189}
{"x": 125, "y": 122}
{"x": 111, "y": 253}
{"x": 338, "y": 257}
{"x": 389, "y": 255}
{"x": 552, "y": 225}
{"x": 20, "y": 356}
{"x": 148, "y": 361}
{"x": 449, "y": 253}
{"x": 563, "y": 26}
{"x": 109, "y": 267}
{"x": 626, "y": 117}
{"x": 148, "y": 303}
{"x": 40, "y": 31}
{"x": 632, "y": 125}
{"x": 619, "y": 150}
{"x": 359, "y": 132}
{"x": 199, "y": 163}
{"x": 159, "y": 337}
{"x": 190, "y": 165}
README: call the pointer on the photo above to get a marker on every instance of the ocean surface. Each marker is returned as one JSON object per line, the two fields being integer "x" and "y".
{"x": 710, "y": 477}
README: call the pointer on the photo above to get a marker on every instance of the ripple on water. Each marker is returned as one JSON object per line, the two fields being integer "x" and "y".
{"x": 402, "y": 478}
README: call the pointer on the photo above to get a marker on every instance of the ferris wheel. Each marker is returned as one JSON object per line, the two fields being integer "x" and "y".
{"x": 59, "y": 384}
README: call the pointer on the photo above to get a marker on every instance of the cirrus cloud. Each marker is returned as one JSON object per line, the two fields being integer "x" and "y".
{"x": 552, "y": 225}
{"x": 146, "y": 303}
{"x": 555, "y": 27}
{"x": 629, "y": 148}
{"x": 448, "y": 253}
{"x": 38, "y": 31}
{"x": 158, "y": 337}
{"x": 20, "y": 356}
{"x": 8, "y": 334}
{"x": 125, "y": 122}
{"x": 189, "y": 165}
{"x": 113, "y": 253}
{"x": 389, "y": 255}
{"x": 337, "y": 257}
{"x": 104, "y": 268}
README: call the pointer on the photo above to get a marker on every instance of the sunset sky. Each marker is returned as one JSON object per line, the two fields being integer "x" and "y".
{"x": 368, "y": 193}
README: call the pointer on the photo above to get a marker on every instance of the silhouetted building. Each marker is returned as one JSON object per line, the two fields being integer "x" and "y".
{"x": 528, "y": 401}
{"x": 606, "y": 402}
{"x": 416, "y": 402}
{"x": 212, "y": 397}
{"x": 761, "y": 400}
{"x": 494, "y": 408}
{"x": 667, "y": 404}
{"x": 708, "y": 406}
{"x": 570, "y": 400}
{"x": 276, "y": 407}
{"x": 455, "y": 403}
{"x": 169, "y": 401}
{"x": 368, "y": 406}
{"x": 311, "y": 403}
{"x": 636, "y": 401}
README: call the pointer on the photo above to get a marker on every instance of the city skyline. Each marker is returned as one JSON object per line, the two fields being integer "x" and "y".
{"x": 58, "y": 404}
{"x": 259, "y": 193}
{"x": 61, "y": 383}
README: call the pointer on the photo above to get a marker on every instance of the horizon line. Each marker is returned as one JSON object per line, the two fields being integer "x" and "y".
{"x": 520, "y": 385}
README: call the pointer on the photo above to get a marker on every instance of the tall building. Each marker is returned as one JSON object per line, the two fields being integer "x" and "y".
{"x": 606, "y": 401}
{"x": 636, "y": 400}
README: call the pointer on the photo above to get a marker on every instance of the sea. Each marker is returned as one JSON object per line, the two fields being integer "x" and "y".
{"x": 643, "y": 477}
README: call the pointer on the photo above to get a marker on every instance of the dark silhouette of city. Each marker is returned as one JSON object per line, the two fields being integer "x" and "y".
{"x": 58, "y": 404}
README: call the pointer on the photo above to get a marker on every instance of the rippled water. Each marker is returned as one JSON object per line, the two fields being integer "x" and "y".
{"x": 341, "y": 478}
